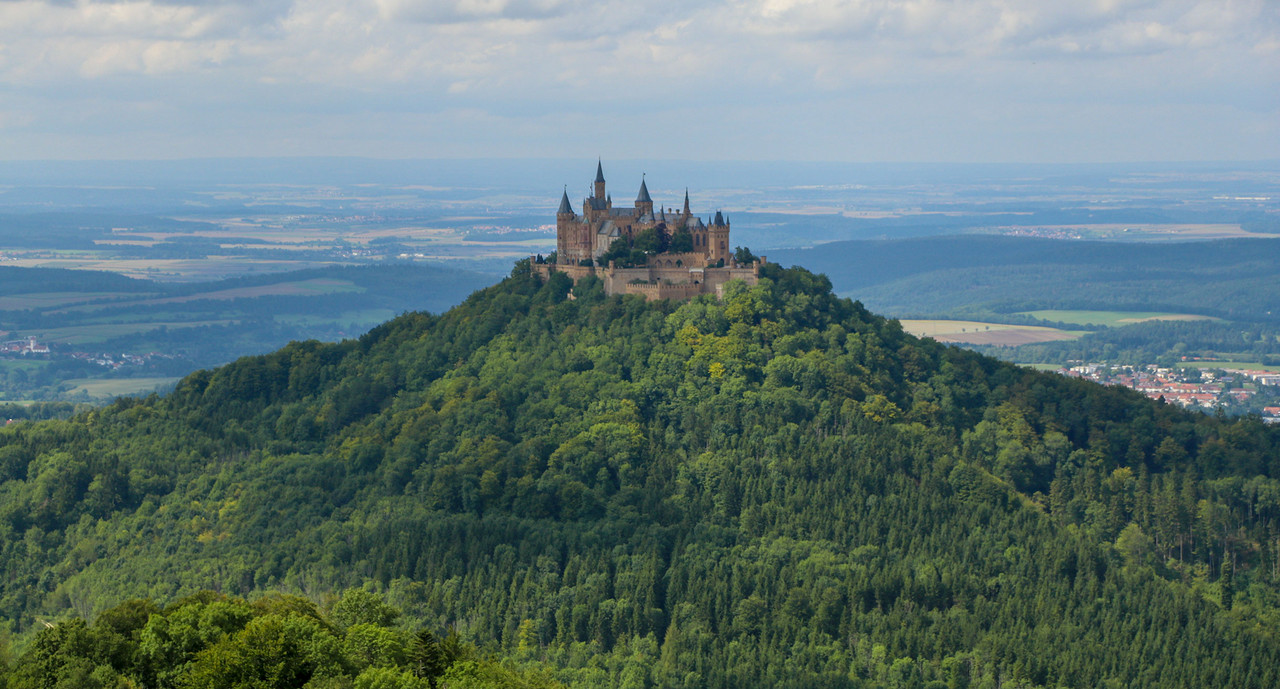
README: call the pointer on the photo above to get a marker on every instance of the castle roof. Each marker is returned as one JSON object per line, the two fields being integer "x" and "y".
{"x": 644, "y": 193}
{"x": 564, "y": 203}
{"x": 719, "y": 219}
{"x": 599, "y": 172}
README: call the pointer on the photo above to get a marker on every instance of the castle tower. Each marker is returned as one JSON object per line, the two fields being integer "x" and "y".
{"x": 566, "y": 219}
{"x": 599, "y": 187}
{"x": 686, "y": 212}
{"x": 643, "y": 201}
{"x": 718, "y": 240}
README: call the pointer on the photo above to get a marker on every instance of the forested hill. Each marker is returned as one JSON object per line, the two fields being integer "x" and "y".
{"x": 775, "y": 489}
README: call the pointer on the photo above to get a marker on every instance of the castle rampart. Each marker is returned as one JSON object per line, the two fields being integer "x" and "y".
{"x": 583, "y": 240}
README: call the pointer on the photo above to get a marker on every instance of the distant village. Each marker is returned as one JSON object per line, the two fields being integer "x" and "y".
{"x": 32, "y": 347}
{"x": 1230, "y": 388}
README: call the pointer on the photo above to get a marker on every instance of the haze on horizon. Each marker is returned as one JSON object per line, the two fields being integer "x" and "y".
{"x": 790, "y": 80}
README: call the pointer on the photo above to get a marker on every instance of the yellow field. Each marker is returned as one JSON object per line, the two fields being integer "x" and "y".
{"x": 195, "y": 269}
{"x": 978, "y": 332}
{"x": 1113, "y": 318}
{"x": 119, "y": 386}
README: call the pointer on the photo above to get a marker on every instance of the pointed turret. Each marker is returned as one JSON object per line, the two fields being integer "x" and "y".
{"x": 564, "y": 203}
{"x": 599, "y": 186}
{"x": 687, "y": 213}
{"x": 644, "y": 203}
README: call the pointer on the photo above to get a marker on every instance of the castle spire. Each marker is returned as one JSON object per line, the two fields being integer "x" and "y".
{"x": 686, "y": 202}
{"x": 644, "y": 192}
{"x": 564, "y": 202}
{"x": 598, "y": 188}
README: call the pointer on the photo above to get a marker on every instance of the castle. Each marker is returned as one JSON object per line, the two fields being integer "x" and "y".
{"x": 679, "y": 255}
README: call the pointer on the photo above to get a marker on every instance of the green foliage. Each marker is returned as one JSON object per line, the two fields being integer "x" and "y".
{"x": 681, "y": 242}
{"x": 358, "y": 606}
{"x": 211, "y": 641}
{"x": 774, "y": 489}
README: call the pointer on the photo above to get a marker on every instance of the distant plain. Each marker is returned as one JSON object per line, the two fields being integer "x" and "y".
{"x": 1010, "y": 256}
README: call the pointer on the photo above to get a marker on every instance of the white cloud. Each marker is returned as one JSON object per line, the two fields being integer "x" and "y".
{"x": 664, "y": 60}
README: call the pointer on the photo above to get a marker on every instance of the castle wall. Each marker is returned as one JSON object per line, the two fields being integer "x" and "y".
{"x": 682, "y": 260}
{"x": 658, "y": 283}
{"x": 666, "y": 275}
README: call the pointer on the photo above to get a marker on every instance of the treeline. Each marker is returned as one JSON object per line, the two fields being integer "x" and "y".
{"x": 773, "y": 489}
{"x": 974, "y": 274}
{"x": 221, "y": 330}
{"x": 211, "y": 641}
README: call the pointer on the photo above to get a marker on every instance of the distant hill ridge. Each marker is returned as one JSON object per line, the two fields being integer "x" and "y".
{"x": 1230, "y": 278}
{"x": 777, "y": 488}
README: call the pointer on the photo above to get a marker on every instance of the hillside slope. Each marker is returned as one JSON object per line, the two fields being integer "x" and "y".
{"x": 776, "y": 489}
{"x": 1234, "y": 278}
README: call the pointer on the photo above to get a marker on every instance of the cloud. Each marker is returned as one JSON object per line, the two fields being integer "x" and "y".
{"x": 434, "y": 11}
{"x": 666, "y": 60}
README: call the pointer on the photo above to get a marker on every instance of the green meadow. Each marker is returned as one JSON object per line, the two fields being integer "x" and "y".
{"x": 1111, "y": 319}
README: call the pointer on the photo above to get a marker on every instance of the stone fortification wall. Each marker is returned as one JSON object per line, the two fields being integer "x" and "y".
{"x": 653, "y": 292}
{"x": 688, "y": 260}
{"x": 659, "y": 281}
{"x": 574, "y": 272}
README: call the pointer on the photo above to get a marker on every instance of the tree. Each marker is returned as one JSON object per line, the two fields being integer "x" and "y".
{"x": 681, "y": 241}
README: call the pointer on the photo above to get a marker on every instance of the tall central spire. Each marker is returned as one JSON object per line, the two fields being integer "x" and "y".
{"x": 599, "y": 186}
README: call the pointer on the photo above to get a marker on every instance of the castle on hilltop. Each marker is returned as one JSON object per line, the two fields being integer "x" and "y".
{"x": 662, "y": 254}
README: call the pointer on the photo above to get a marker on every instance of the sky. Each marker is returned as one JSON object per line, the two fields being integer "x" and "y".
{"x": 1040, "y": 81}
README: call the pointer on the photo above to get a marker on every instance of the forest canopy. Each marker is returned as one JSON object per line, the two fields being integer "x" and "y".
{"x": 777, "y": 488}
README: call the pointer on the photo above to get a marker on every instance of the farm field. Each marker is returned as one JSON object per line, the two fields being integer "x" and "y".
{"x": 1251, "y": 365}
{"x": 982, "y": 333}
{"x": 1112, "y": 319}
{"x": 170, "y": 270}
{"x": 88, "y": 334}
{"x": 107, "y": 388}
{"x": 51, "y": 300}
{"x": 344, "y": 318}
{"x": 1134, "y": 232}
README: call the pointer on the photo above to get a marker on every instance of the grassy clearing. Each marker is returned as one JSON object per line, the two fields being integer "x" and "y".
{"x": 48, "y": 300}
{"x": 979, "y": 332}
{"x": 23, "y": 364}
{"x": 316, "y": 287}
{"x": 1251, "y": 365}
{"x": 88, "y": 334}
{"x": 176, "y": 270}
{"x": 115, "y": 387}
{"x": 1112, "y": 319}
{"x": 370, "y": 316}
